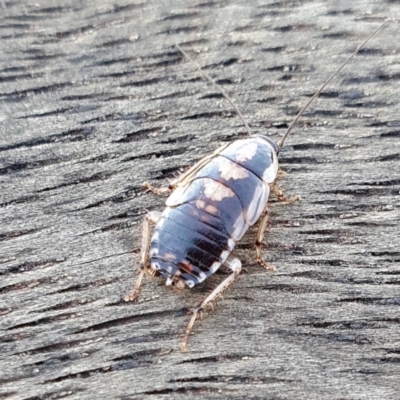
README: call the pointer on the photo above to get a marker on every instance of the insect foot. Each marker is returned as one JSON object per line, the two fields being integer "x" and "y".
{"x": 281, "y": 197}
{"x": 132, "y": 296}
{"x": 157, "y": 191}
{"x": 235, "y": 266}
{"x": 281, "y": 173}
{"x": 264, "y": 264}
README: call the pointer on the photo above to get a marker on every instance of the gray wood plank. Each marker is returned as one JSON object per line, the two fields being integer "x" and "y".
{"x": 95, "y": 99}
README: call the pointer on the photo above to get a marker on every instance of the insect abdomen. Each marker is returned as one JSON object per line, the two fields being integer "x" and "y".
{"x": 212, "y": 210}
{"x": 189, "y": 243}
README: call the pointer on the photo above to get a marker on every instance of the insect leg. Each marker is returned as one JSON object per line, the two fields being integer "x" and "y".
{"x": 151, "y": 216}
{"x": 281, "y": 197}
{"x": 259, "y": 240}
{"x": 157, "y": 191}
{"x": 235, "y": 266}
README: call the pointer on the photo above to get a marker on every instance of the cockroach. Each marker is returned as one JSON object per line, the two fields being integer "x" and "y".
{"x": 210, "y": 208}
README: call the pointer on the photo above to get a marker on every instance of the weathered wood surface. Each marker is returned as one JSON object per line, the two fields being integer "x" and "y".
{"x": 94, "y": 100}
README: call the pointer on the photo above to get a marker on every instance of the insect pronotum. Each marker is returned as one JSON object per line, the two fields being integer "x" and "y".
{"x": 210, "y": 208}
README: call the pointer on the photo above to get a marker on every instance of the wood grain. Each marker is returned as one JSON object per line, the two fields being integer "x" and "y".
{"x": 95, "y": 99}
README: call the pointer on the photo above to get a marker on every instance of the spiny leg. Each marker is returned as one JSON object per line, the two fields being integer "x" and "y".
{"x": 280, "y": 196}
{"x": 264, "y": 221}
{"x": 151, "y": 216}
{"x": 235, "y": 266}
{"x": 158, "y": 191}
{"x": 259, "y": 240}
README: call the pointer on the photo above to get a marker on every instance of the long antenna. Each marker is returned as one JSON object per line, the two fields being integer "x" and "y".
{"x": 316, "y": 94}
{"x": 208, "y": 77}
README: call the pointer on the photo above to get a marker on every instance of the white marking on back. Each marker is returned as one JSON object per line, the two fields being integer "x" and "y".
{"x": 258, "y": 203}
{"x": 208, "y": 208}
{"x": 202, "y": 276}
{"x": 169, "y": 257}
{"x": 224, "y": 255}
{"x": 189, "y": 284}
{"x": 176, "y": 197}
{"x": 214, "y": 266}
{"x": 247, "y": 152}
{"x": 271, "y": 172}
{"x": 166, "y": 212}
{"x": 160, "y": 223}
{"x": 153, "y": 252}
{"x": 231, "y": 170}
{"x": 239, "y": 228}
{"x": 155, "y": 266}
{"x": 216, "y": 191}
{"x": 168, "y": 282}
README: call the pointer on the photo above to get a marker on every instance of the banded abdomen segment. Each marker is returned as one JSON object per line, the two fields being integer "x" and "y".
{"x": 189, "y": 243}
{"x": 197, "y": 231}
{"x": 214, "y": 198}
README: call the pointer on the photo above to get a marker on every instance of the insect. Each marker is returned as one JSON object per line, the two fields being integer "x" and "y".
{"x": 210, "y": 208}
